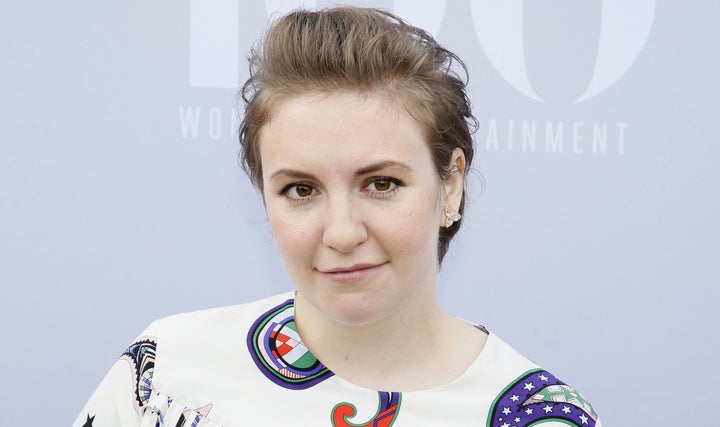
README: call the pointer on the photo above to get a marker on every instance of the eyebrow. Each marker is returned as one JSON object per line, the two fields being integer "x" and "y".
{"x": 296, "y": 174}
{"x": 382, "y": 165}
{"x": 291, "y": 173}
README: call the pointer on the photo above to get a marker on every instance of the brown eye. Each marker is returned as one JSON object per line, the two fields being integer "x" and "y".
{"x": 382, "y": 185}
{"x": 299, "y": 191}
{"x": 303, "y": 190}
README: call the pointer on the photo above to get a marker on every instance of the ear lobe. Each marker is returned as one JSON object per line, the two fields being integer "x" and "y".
{"x": 453, "y": 183}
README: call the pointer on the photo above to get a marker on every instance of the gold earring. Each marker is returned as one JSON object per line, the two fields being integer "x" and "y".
{"x": 451, "y": 217}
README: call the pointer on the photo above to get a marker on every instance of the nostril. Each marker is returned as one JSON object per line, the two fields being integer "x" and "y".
{"x": 344, "y": 235}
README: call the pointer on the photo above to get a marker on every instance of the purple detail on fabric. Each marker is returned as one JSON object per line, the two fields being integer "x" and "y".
{"x": 539, "y": 396}
{"x": 389, "y": 400}
{"x": 263, "y": 351}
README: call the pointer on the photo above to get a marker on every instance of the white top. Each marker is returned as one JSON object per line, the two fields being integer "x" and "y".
{"x": 245, "y": 365}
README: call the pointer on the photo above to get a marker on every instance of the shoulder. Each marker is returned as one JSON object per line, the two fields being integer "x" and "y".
{"x": 186, "y": 341}
{"x": 530, "y": 395}
{"x": 178, "y": 354}
{"x": 206, "y": 322}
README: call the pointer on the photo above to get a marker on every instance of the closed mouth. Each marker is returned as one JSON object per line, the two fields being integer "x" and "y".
{"x": 351, "y": 269}
{"x": 351, "y": 273}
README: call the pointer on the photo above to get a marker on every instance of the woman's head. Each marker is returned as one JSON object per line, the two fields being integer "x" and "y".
{"x": 365, "y": 51}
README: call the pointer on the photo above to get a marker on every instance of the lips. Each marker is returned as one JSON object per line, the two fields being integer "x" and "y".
{"x": 352, "y": 273}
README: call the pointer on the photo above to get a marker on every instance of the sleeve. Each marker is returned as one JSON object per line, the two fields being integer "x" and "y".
{"x": 122, "y": 397}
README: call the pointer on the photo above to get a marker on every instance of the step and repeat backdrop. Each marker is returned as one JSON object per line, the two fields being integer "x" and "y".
{"x": 590, "y": 241}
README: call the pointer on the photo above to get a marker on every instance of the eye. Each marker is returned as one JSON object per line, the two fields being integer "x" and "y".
{"x": 298, "y": 191}
{"x": 382, "y": 185}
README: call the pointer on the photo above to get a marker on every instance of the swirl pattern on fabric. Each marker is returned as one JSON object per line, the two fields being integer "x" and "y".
{"x": 388, "y": 408}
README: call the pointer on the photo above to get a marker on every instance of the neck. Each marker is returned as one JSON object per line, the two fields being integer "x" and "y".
{"x": 376, "y": 356}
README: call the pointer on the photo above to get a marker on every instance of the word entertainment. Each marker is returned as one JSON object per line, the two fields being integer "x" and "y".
{"x": 522, "y": 136}
{"x": 553, "y": 137}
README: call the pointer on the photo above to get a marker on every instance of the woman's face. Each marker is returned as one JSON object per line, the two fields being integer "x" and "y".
{"x": 355, "y": 204}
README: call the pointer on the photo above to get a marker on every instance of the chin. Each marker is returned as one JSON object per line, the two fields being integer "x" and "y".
{"x": 356, "y": 317}
{"x": 355, "y": 310}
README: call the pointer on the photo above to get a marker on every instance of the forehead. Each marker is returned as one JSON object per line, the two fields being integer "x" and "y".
{"x": 346, "y": 129}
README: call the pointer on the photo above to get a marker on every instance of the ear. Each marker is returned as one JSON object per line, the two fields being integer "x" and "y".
{"x": 453, "y": 183}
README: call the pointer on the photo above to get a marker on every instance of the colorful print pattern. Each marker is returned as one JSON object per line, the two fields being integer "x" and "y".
{"x": 141, "y": 356}
{"x": 388, "y": 408}
{"x": 278, "y": 351}
{"x": 537, "y": 397}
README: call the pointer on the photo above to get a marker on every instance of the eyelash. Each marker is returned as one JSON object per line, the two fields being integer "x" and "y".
{"x": 392, "y": 182}
{"x": 285, "y": 192}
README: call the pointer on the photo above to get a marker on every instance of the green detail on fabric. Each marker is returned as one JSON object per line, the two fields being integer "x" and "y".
{"x": 568, "y": 394}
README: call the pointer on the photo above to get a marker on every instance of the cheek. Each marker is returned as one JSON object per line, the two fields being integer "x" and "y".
{"x": 293, "y": 234}
{"x": 412, "y": 230}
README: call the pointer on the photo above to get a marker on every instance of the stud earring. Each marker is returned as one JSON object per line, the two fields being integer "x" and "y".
{"x": 451, "y": 217}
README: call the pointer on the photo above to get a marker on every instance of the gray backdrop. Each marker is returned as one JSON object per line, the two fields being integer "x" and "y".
{"x": 593, "y": 247}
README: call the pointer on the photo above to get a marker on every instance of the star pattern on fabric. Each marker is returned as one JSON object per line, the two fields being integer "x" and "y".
{"x": 89, "y": 421}
{"x": 538, "y": 396}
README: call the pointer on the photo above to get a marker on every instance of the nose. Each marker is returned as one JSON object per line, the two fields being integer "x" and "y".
{"x": 344, "y": 228}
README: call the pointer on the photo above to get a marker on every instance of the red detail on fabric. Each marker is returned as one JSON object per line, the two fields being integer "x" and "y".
{"x": 344, "y": 411}
{"x": 284, "y": 349}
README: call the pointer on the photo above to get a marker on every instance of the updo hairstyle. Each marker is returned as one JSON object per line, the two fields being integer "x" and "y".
{"x": 367, "y": 51}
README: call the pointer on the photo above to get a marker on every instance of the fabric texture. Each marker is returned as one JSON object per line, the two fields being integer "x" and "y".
{"x": 247, "y": 365}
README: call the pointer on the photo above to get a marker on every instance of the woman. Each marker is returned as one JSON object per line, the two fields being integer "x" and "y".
{"x": 357, "y": 133}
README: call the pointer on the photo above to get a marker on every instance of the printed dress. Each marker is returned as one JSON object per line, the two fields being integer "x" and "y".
{"x": 246, "y": 365}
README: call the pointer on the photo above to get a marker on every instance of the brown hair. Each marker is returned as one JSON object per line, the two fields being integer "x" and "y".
{"x": 361, "y": 50}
